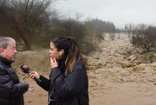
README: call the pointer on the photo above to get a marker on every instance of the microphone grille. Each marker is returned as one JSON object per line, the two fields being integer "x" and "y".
{"x": 24, "y": 68}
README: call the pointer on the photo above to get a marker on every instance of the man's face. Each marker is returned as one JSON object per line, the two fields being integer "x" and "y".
{"x": 10, "y": 52}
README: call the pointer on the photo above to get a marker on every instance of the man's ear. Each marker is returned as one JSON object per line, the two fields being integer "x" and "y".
{"x": 2, "y": 50}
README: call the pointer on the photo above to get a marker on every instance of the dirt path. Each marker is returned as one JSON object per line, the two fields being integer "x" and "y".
{"x": 112, "y": 84}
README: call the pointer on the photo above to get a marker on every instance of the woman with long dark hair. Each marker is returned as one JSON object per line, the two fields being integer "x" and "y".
{"x": 68, "y": 81}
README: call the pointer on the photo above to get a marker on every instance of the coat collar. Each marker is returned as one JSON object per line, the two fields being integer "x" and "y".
{"x": 4, "y": 60}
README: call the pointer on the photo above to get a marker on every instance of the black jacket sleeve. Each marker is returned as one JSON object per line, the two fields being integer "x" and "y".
{"x": 72, "y": 84}
{"x": 10, "y": 89}
{"x": 19, "y": 89}
{"x": 45, "y": 83}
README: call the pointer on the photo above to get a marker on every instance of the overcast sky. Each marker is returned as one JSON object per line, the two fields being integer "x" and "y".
{"x": 120, "y": 12}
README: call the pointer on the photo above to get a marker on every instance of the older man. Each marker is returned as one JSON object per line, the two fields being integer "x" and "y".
{"x": 11, "y": 89}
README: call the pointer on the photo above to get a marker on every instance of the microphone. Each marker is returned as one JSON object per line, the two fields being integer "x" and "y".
{"x": 26, "y": 69}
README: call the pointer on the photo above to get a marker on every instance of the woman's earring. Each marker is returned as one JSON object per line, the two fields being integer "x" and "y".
{"x": 60, "y": 53}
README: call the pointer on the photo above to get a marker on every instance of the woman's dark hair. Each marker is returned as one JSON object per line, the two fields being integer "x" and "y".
{"x": 71, "y": 51}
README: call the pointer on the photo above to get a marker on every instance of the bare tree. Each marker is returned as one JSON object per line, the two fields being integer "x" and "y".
{"x": 143, "y": 36}
{"x": 149, "y": 38}
{"x": 129, "y": 29}
{"x": 22, "y": 18}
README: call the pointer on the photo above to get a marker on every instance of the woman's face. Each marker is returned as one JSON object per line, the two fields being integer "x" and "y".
{"x": 53, "y": 52}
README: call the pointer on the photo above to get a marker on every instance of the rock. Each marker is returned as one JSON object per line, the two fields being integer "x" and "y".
{"x": 153, "y": 66}
{"x": 149, "y": 57}
{"x": 125, "y": 64}
{"x": 139, "y": 67}
{"x": 121, "y": 52}
{"x": 154, "y": 83}
{"x": 131, "y": 58}
{"x": 96, "y": 55}
{"x": 120, "y": 80}
{"x": 140, "y": 51}
{"x": 111, "y": 71}
{"x": 124, "y": 73}
{"x": 136, "y": 63}
{"x": 90, "y": 67}
{"x": 98, "y": 63}
{"x": 93, "y": 83}
{"x": 91, "y": 61}
{"x": 97, "y": 72}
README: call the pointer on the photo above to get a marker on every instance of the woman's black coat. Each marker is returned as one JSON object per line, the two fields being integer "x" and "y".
{"x": 11, "y": 90}
{"x": 67, "y": 90}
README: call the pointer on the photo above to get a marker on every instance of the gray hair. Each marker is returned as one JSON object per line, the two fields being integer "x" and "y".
{"x": 4, "y": 42}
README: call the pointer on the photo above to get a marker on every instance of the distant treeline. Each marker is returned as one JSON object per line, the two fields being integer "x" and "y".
{"x": 101, "y": 25}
